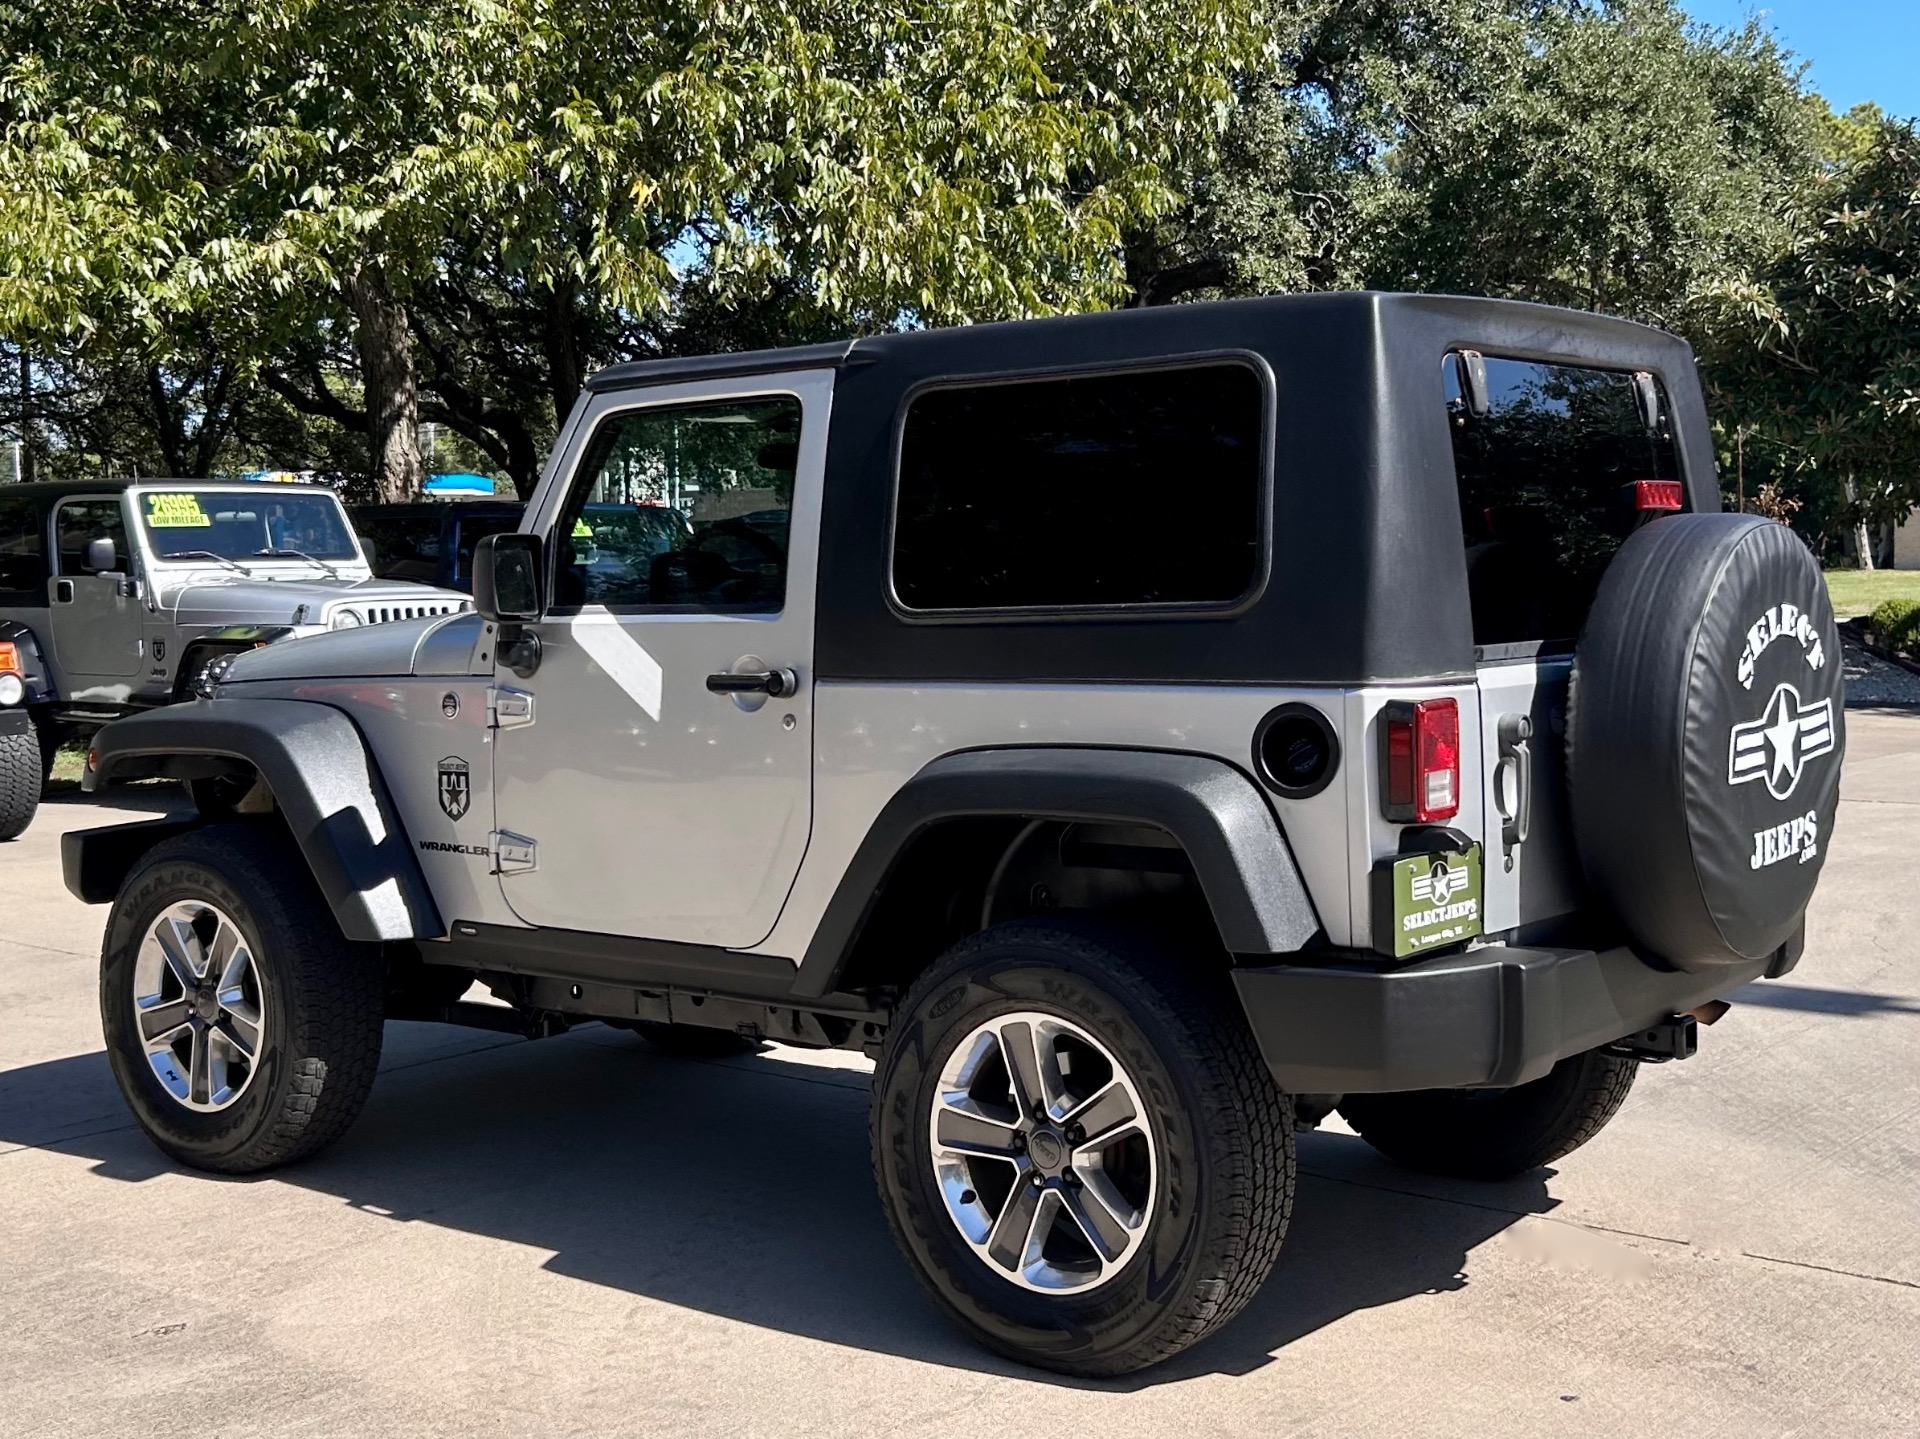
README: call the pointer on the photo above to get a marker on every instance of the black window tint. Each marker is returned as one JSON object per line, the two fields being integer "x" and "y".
{"x": 405, "y": 547}
{"x": 23, "y": 549}
{"x": 1547, "y": 494}
{"x": 473, "y": 529}
{"x": 683, "y": 509}
{"x": 1128, "y": 489}
{"x": 78, "y": 522}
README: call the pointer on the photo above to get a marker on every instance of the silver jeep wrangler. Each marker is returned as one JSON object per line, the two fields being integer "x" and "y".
{"x": 1143, "y": 734}
{"x": 116, "y": 596}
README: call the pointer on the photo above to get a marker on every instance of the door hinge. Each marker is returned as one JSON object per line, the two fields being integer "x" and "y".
{"x": 508, "y": 708}
{"x": 513, "y": 853}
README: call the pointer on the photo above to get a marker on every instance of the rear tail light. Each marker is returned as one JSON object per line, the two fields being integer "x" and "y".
{"x": 1420, "y": 760}
{"x": 1657, "y": 496}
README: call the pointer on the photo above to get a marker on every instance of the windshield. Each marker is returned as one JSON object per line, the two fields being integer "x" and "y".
{"x": 240, "y": 525}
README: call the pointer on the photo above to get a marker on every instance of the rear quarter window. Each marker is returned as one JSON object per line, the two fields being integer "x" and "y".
{"x": 1139, "y": 488}
{"x": 1546, "y": 479}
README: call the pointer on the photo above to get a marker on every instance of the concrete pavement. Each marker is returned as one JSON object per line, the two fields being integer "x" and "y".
{"x": 577, "y": 1236}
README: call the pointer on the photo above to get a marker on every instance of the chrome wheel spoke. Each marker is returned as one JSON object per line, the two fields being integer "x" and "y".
{"x": 227, "y": 957}
{"x": 961, "y": 1131}
{"x": 1099, "y": 1213}
{"x": 1014, "y": 1231}
{"x": 241, "y": 1029}
{"x": 1107, "y": 1110}
{"x": 161, "y": 1021}
{"x": 180, "y": 946}
{"x": 199, "y": 1069}
{"x": 1027, "y": 1068}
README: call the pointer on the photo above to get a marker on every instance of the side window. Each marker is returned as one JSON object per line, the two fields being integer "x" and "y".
{"x": 78, "y": 522}
{"x": 405, "y": 547}
{"x": 472, "y": 530}
{"x": 1547, "y": 488}
{"x": 683, "y": 508}
{"x": 1141, "y": 488}
{"x": 23, "y": 549}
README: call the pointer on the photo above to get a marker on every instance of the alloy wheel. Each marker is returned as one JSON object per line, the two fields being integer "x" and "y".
{"x": 1043, "y": 1153}
{"x": 199, "y": 1006}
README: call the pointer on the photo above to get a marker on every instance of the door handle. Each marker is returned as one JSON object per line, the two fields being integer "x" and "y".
{"x": 63, "y": 592}
{"x": 777, "y": 684}
{"x": 1516, "y": 759}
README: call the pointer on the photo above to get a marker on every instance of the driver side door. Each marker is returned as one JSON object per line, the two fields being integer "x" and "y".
{"x": 632, "y": 796}
{"x": 96, "y": 619}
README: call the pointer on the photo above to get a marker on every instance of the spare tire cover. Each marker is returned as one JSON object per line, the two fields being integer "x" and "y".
{"x": 1705, "y": 730}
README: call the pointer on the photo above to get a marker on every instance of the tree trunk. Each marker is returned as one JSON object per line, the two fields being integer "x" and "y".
{"x": 563, "y": 351}
{"x": 1862, "y": 541}
{"x": 23, "y": 467}
{"x": 392, "y": 388}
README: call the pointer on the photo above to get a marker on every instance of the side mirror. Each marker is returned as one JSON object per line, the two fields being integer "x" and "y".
{"x": 509, "y": 579}
{"x": 101, "y": 557}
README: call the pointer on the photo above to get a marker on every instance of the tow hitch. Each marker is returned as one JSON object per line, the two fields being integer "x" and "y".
{"x": 1676, "y": 1037}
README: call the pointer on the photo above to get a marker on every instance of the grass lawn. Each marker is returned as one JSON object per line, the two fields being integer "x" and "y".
{"x": 1856, "y": 592}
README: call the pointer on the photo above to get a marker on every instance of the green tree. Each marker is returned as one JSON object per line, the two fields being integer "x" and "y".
{"x": 1819, "y": 352}
{"x": 1603, "y": 154}
{"x": 314, "y": 182}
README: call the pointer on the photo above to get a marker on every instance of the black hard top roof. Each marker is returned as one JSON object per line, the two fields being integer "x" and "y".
{"x": 1175, "y": 326}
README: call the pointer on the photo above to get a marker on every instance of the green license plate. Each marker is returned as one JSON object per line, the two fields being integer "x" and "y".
{"x": 1426, "y": 901}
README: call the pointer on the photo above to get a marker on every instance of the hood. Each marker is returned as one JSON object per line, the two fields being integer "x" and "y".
{"x": 442, "y": 646}
{"x": 306, "y": 601}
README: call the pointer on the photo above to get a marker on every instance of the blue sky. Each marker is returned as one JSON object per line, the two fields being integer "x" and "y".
{"x": 1859, "y": 49}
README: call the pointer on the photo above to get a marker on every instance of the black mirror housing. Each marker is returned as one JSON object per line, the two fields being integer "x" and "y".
{"x": 509, "y": 578}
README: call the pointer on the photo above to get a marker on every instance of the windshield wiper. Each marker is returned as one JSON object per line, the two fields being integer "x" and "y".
{"x": 283, "y": 553}
{"x": 207, "y": 555}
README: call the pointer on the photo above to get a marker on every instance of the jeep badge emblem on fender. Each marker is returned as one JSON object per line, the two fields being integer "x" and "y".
{"x": 450, "y": 705}
{"x": 1778, "y": 745}
{"x": 456, "y": 791}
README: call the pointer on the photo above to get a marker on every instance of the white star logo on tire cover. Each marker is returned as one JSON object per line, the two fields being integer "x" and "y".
{"x": 1778, "y": 745}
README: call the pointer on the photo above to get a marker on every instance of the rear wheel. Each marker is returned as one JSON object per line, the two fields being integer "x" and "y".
{"x": 1496, "y": 1133}
{"x": 20, "y": 781}
{"x": 1079, "y": 1148}
{"x": 244, "y": 1031}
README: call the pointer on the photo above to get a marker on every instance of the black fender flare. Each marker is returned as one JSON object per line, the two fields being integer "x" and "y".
{"x": 325, "y": 784}
{"x": 1239, "y": 854}
{"x": 33, "y": 663}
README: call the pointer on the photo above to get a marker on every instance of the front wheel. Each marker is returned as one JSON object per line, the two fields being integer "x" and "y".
{"x": 243, "y": 1029}
{"x": 1079, "y": 1148}
{"x": 1495, "y": 1133}
{"x": 20, "y": 780}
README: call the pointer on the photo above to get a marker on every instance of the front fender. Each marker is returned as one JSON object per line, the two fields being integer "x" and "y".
{"x": 324, "y": 783}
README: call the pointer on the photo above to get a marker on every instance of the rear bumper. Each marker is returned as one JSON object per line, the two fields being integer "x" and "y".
{"x": 1494, "y": 1016}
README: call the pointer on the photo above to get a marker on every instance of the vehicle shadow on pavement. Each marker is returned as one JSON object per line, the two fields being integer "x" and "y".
{"x": 742, "y": 1189}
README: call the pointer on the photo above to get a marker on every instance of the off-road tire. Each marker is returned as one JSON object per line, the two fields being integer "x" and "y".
{"x": 1496, "y": 1133}
{"x": 692, "y": 1041}
{"x": 20, "y": 782}
{"x": 325, "y": 1009}
{"x": 1222, "y": 1131}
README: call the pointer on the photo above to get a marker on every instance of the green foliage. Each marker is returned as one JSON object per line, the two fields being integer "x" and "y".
{"x": 314, "y": 188}
{"x": 1896, "y": 624}
{"x": 1819, "y": 351}
{"x": 1606, "y": 156}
